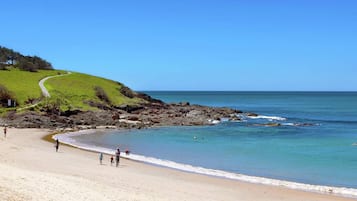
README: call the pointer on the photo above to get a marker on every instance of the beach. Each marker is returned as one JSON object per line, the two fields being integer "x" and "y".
{"x": 31, "y": 169}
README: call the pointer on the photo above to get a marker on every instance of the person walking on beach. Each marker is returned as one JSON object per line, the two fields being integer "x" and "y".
{"x": 117, "y": 157}
{"x": 101, "y": 158}
{"x": 111, "y": 160}
{"x": 57, "y": 145}
{"x": 5, "y": 131}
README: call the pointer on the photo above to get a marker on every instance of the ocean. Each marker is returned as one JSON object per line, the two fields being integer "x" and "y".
{"x": 315, "y": 145}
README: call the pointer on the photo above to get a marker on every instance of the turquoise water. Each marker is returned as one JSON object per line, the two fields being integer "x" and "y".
{"x": 321, "y": 153}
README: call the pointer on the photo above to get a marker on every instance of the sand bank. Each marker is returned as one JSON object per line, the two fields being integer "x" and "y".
{"x": 30, "y": 169}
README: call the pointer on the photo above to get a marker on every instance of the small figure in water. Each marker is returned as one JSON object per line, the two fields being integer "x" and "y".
{"x": 101, "y": 158}
{"x": 117, "y": 157}
{"x": 127, "y": 152}
{"x": 57, "y": 145}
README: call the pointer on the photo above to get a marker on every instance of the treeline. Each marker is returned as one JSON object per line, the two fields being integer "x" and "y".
{"x": 9, "y": 57}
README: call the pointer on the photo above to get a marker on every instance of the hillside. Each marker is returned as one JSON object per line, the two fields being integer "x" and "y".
{"x": 85, "y": 92}
{"x": 77, "y": 100}
{"x": 23, "y": 85}
{"x": 74, "y": 91}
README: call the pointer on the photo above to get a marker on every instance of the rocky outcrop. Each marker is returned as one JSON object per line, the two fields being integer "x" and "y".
{"x": 249, "y": 114}
{"x": 270, "y": 124}
{"x": 127, "y": 116}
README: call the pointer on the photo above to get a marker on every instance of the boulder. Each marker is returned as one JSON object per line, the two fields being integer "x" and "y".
{"x": 251, "y": 114}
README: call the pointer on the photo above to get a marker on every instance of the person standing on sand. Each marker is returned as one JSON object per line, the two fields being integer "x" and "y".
{"x": 101, "y": 158}
{"x": 117, "y": 157}
{"x": 111, "y": 160}
{"x": 5, "y": 131}
{"x": 57, "y": 145}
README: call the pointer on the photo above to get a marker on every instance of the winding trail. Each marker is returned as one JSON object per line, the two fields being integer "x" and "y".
{"x": 45, "y": 92}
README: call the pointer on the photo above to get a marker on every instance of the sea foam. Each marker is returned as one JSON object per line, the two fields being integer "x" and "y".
{"x": 270, "y": 118}
{"x": 66, "y": 138}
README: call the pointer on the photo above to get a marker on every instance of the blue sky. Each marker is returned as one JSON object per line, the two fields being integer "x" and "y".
{"x": 192, "y": 44}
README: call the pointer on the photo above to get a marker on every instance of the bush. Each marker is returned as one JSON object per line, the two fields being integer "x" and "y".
{"x": 2, "y": 66}
{"x": 53, "y": 106}
{"x": 100, "y": 93}
{"x": 27, "y": 66}
{"x": 5, "y": 94}
{"x": 127, "y": 92}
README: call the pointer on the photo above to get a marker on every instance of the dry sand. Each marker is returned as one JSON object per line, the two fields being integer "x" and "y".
{"x": 30, "y": 169}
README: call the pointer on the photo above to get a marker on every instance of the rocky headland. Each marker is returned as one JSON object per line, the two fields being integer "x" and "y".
{"x": 154, "y": 113}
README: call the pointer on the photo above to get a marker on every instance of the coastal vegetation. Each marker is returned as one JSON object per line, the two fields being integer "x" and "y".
{"x": 11, "y": 58}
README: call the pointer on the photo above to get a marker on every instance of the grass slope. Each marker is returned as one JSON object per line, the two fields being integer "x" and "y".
{"x": 72, "y": 91}
{"x": 24, "y": 84}
{"x": 76, "y": 89}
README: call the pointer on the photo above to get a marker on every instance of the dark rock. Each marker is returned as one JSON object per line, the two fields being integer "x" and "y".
{"x": 252, "y": 115}
{"x": 99, "y": 105}
{"x": 130, "y": 108}
{"x": 234, "y": 118}
{"x": 127, "y": 92}
{"x": 184, "y": 103}
{"x": 148, "y": 98}
{"x": 133, "y": 118}
{"x": 68, "y": 113}
{"x": 269, "y": 124}
{"x": 115, "y": 116}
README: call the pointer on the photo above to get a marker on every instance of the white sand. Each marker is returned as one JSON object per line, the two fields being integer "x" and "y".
{"x": 30, "y": 169}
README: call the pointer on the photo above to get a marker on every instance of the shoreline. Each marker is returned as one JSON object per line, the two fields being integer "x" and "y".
{"x": 328, "y": 190}
{"x": 30, "y": 169}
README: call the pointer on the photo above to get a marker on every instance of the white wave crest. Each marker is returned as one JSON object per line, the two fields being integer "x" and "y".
{"x": 347, "y": 192}
{"x": 213, "y": 121}
{"x": 270, "y": 118}
{"x": 288, "y": 124}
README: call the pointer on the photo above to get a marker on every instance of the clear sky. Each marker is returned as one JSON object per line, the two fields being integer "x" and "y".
{"x": 192, "y": 44}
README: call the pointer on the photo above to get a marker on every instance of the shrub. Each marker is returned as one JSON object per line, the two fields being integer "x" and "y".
{"x": 2, "y": 66}
{"x": 127, "y": 92}
{"x": 27, "y": 66}
{"x": 5, "y": 94}
{"x": 100, "y": 93}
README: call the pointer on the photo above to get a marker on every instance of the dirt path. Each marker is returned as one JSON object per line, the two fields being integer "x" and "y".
{"x": 45, "y": 92}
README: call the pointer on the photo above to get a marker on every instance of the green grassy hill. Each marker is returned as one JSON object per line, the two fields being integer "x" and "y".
{"x": 73, "y": 91}
{"x": 78, "y": 90}
{"x": 24, "y": 84}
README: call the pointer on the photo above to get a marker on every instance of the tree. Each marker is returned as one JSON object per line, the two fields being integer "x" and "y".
{"x": 10, "y": 57}
{"x": 27, "y": 66}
